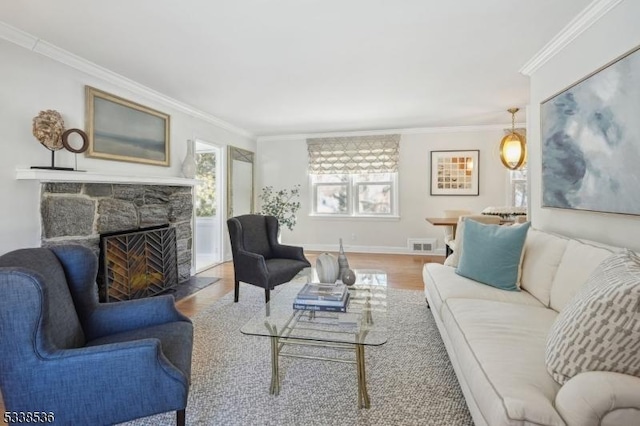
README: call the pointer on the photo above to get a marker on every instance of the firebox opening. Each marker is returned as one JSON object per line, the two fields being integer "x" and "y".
{"x": 137, "y": 263}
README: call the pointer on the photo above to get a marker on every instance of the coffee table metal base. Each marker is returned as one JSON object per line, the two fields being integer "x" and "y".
{"x": 277, "y": 343}
{"x": 363, "y": 325}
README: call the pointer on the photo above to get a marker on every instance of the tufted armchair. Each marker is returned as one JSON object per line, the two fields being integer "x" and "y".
{"x": 87, "y": 363}
{"x": 258, "y": 258}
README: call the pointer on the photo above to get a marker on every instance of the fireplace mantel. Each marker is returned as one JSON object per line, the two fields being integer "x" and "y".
{"x": 90, "y": 177}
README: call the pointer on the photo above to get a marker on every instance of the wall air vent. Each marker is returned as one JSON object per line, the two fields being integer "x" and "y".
{"x": 422, "y": 245}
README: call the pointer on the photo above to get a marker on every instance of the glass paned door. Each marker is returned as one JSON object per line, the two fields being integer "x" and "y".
{"x": 208, "y": 209}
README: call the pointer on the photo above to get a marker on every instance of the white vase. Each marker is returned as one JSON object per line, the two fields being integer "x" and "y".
{"x": 189, "y": 163}
{"x": 327, "y": 268}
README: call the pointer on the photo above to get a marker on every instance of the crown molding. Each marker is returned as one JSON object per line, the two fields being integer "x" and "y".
{"x": 16, "y": 36}
{"x": 585, "y": 19}
{"x": 58, "y": 54}
{"x": 407, "y": 131}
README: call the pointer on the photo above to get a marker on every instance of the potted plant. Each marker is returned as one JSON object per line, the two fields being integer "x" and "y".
{"x": 282, "y": 204}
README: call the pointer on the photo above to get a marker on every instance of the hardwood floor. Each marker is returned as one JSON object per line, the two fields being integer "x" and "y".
{"x": 403, "y": 272}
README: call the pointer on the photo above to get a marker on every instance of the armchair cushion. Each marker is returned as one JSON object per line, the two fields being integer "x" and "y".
{"x": 283, "y": 270}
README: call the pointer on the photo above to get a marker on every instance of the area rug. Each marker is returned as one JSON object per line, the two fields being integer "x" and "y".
{"x": 410, "y": 378}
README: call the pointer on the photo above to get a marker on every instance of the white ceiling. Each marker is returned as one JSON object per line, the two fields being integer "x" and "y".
{"x": 275, "y": 67}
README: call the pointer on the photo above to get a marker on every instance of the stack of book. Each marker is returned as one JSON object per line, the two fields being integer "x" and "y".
{"x": 322, "y": 297}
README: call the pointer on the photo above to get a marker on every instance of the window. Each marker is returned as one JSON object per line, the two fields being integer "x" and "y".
{"x": 519, "y": 194}
{"x": 330, "y": 194}
{"x": 354, "y": 175}
{"x": 365, "y": 194}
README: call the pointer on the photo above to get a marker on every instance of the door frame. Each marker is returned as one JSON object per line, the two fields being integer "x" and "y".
{"x": 220, "y": 204}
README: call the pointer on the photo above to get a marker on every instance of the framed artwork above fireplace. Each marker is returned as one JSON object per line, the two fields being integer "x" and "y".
{"x": 123, "y": 130}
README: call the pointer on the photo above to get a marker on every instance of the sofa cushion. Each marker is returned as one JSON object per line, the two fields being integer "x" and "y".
{"x": 442, "y": 283}
{"x": 500, "y": 349}
{"x": 457, "y": 244}
{"x": 542, "y": 254}
{"x": 577, "y": 263}
{"x": 492, "y": 254}
{"x": 599, "y": 329}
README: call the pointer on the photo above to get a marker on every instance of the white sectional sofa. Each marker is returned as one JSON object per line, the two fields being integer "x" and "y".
{"x": 496, "y": 341}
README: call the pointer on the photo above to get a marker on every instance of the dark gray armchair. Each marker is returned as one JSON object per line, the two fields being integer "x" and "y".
{"x": 258, "y": 258}
{"x": 80, "y": 361}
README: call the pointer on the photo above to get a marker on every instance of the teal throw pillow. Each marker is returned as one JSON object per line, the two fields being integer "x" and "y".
{"x": 492, "y": 254}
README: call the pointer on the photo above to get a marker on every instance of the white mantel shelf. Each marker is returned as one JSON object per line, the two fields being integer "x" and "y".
{"x": 89, "y": 177}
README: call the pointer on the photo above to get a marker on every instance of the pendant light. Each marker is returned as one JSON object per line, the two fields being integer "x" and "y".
{"x": 513, "y": 148}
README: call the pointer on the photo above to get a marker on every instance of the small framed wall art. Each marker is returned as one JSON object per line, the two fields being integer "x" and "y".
{"x": 125, "y": 131}
{"x": 455, "y": 172}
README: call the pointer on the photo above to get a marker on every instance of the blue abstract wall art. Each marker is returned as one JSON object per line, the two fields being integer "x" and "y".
{"x": 590, "y": 139}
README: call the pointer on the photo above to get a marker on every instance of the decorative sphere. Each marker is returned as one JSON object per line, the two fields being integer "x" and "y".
{"x": 349, "y": 277}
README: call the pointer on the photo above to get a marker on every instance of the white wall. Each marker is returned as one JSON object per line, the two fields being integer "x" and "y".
{"x": 283, "y": 163}
{"x": 614, "y": 34}
{"x": 29, "y": 83}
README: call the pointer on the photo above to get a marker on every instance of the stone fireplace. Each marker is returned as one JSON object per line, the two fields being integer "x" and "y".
{"x": 78, "y": 213}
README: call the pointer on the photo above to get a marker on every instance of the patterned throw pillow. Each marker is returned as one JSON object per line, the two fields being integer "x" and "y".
{"x": 599, "y": 329}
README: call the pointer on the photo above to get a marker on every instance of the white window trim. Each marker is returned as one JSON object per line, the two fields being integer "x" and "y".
{"x": 352, "y": 196}
{"x": 512, "y": 188}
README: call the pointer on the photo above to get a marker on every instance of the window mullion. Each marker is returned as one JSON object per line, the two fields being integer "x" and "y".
{"x": 353, "y": 196}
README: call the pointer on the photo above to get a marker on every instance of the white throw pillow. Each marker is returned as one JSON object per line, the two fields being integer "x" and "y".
{"x": 576, "y": 266}
{"x": 542, "y": 254}
{"x": 599, "y": 329}
{"x": 454, "y": 258}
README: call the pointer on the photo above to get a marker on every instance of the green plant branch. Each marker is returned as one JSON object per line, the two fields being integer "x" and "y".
{"x": 281, "y": 204}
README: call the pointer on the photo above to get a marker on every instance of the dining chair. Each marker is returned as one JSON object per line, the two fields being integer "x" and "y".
{"x": 449, "y": 231}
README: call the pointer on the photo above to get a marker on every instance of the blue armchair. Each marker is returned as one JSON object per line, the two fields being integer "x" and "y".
{"x": 88, "y": 363}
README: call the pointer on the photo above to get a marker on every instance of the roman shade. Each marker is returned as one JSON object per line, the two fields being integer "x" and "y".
{"x": 354, "y": 154}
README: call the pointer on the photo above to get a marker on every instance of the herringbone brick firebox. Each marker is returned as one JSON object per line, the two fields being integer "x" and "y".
{"x": 137, "y": 264}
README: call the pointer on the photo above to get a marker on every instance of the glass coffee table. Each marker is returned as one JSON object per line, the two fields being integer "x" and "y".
{"x": 364, "y": 324}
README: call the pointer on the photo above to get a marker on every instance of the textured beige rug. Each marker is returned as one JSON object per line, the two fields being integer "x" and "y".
{"x": 410, "y": 378}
